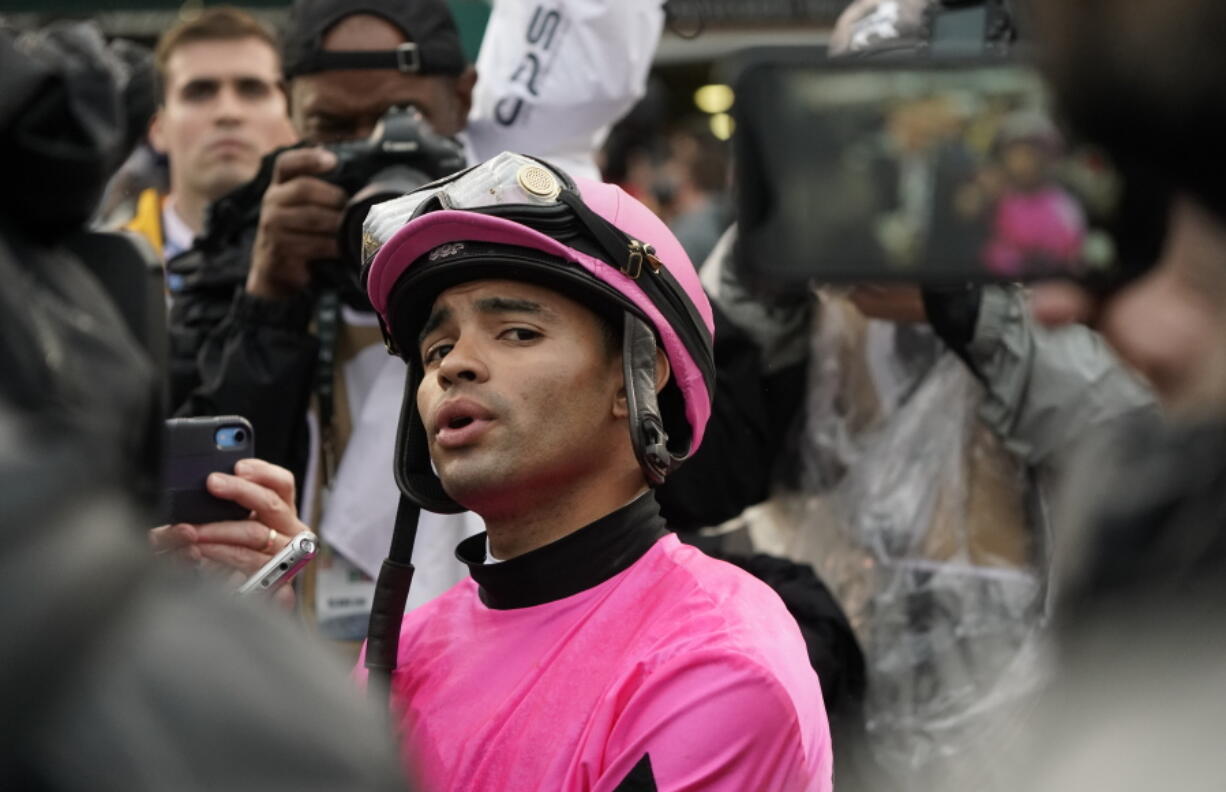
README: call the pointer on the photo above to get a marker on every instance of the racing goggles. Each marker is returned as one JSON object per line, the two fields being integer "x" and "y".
{"x": 400, "y": 236}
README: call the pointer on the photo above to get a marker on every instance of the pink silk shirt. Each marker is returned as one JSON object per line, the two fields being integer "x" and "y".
{"x": 679, "y": 672}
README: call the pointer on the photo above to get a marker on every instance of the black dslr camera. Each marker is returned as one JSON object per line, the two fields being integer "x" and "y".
{"x": 402, "y": 154}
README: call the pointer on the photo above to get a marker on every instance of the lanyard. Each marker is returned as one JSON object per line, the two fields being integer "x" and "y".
{"x": 327, "y": 324}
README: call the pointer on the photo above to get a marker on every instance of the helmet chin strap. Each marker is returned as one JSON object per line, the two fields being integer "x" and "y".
{"x": 647, "y": 433}
{"x": 387, "y": 606}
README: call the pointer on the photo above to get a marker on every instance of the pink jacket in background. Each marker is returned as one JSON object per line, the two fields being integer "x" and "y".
{"x": 1043, "y": 227}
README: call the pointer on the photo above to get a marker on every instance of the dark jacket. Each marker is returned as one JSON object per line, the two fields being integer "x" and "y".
{"x": 231, "y": 353}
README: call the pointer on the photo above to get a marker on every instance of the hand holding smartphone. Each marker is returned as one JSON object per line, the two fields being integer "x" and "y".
{"x": 196, "y": 448}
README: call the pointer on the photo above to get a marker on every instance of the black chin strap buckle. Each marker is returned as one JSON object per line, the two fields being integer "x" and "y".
{"x": 656, "y": 460}
{"x": 647, "y": 432}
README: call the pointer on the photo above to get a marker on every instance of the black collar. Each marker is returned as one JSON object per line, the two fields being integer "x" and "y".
{"x": 574, "y": 563}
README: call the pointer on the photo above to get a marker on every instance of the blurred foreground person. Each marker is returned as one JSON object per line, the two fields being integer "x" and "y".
{"x": 221, "y": 108}
{"x": 1138, "y": 701}
{"x": 931, "y": 429}
{"x": 560, "y": 364}
{"x": 117, "y": 674}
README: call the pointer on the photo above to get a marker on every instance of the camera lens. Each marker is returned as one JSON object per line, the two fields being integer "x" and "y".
{"x": 228, "y": 437}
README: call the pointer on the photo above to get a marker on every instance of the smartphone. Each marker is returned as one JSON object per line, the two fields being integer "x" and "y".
{"x": 194, "y": 448}
{"x": 921, "y": 171}
{"x": 284, "y": 565}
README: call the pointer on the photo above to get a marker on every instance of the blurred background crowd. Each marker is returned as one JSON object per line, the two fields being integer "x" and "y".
{"x": 671, "y": 150}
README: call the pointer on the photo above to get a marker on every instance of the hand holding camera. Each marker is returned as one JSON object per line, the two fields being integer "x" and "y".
{"x": 299, "y": 219}
{"x": 314, "y": 207}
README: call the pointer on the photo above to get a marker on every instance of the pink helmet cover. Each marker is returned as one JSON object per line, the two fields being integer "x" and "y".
{"x": 422, "y": 234}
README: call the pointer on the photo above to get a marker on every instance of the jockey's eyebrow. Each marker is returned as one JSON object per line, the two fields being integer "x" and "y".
{"x": 511, "y": 305}
{"x": 487, "y": 305}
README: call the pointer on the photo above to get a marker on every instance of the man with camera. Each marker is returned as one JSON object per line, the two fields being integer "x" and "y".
{"x": 221, "y": 107}
{"x": 270, "y": 324}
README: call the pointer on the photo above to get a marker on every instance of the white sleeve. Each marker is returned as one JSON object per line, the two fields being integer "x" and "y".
{"x": 554, "y": 75}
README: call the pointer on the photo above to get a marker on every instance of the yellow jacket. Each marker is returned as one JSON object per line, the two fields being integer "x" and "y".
{"x": 147, "y": 221}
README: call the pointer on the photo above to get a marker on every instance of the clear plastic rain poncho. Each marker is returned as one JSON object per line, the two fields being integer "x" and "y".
{"x": 929, "y": 533}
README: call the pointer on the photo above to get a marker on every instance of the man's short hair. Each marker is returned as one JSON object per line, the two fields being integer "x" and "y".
{"x": 611, "y": 333}
{"x": 222, "y": 23}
